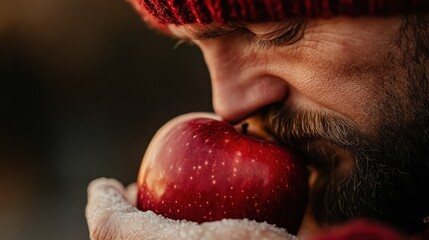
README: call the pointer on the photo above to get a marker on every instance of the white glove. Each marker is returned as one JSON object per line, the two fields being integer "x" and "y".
{"x": 111, "y": 214}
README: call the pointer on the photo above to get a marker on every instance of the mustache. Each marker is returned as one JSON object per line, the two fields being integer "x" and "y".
{"x": 381, "y": 167}
{"x": 296, "y": 127}
{"x": 335, "y": 195}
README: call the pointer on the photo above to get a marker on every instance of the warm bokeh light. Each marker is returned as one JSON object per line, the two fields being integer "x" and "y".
{"x": 84, "y": 86}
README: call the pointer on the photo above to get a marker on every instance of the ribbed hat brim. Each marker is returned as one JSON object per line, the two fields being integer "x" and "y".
{"x": 222, "y": 11}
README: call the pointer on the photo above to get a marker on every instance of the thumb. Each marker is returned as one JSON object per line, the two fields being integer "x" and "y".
{"x": 131, "y": 193}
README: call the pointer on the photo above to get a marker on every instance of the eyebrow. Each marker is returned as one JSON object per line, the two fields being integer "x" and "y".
{"x": 214, "y": 32}
{"x": 206, "y": 32}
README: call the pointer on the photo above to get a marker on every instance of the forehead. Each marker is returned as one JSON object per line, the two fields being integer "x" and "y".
{"x": 198, "y": 31}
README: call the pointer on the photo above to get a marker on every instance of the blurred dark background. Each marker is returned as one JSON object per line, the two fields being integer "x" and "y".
{"x": 84, "y": 86}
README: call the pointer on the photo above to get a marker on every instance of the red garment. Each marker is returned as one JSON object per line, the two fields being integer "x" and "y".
{"x": 222, "y": 11}
{"x": 366, "y": 230}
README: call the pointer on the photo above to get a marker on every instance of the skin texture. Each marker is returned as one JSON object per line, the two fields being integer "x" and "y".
{"x": 350, "y": 89}
{"x": 319, "y": 71}
{"x": 347, "y": 97}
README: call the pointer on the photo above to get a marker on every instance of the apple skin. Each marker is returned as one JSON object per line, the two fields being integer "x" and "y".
{"x": 201, "y": 169}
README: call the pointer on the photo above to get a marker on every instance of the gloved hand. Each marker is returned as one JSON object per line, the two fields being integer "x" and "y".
{"x": 111, "y": 214}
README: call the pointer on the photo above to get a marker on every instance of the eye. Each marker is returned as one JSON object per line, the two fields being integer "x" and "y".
{"x": 287, "y": 35}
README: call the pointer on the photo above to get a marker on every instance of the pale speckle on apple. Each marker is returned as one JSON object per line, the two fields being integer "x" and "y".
{"x": 216, "y": 169}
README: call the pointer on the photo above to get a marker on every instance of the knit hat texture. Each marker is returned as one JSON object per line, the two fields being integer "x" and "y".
{"x": 221, "y": 11}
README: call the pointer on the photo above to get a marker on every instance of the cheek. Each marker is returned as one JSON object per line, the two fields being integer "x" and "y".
{"x": 334, "y": 79}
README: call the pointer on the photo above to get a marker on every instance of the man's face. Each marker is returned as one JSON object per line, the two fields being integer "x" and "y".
{"x": 350, "y": 93}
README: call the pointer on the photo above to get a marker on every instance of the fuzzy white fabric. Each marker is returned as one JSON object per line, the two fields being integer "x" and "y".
{"x": 111, "y": 214}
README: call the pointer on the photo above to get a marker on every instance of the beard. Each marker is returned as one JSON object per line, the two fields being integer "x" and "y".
{"x": 385, "y": 177}
{"x": 381, "y": 174}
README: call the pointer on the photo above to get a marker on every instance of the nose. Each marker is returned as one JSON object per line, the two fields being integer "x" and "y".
{"x": 242, "y": 81}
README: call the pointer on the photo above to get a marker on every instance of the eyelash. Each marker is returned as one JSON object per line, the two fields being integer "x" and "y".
{"x": 290, "y": 36}
{"x": 279, "y": 41}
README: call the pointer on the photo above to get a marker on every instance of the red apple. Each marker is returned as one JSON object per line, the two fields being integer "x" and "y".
{"x": 202, "y": 169}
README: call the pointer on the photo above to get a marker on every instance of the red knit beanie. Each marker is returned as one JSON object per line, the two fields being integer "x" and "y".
{"x": 163, "y": 12}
